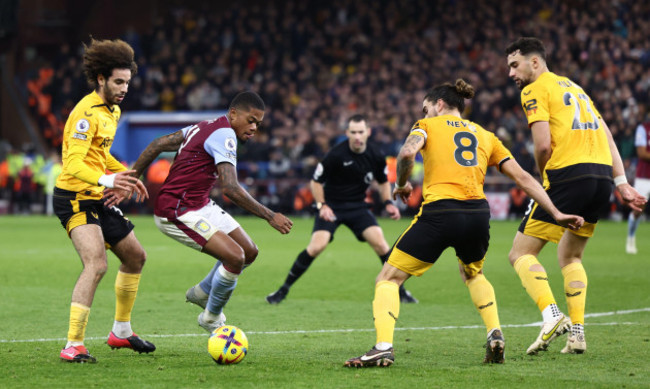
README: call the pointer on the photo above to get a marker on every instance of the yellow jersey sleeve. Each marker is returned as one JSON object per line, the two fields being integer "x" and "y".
{"x": 81, "y": 136}
{"x": 420, "y": 129}
{"x": 499, "y": 152}
{"x": 535, "y": 102}
{"x": 114, "y": 165}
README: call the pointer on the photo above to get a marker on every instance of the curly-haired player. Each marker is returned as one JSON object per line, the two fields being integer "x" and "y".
{"x": 93, "y": 227}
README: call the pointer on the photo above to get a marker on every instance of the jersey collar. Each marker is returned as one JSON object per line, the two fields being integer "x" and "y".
{"x": 98, "y": 102}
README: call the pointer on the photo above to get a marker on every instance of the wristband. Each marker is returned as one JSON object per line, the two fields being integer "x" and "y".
{"x": 107, "y": 180}
{"x": 388, "y": 202}
{"x": 397, "y": 186}
{"x": 620, "y": 180}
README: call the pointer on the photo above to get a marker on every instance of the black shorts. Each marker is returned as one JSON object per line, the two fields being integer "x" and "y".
{"x": 357, "y": 220}
{"x": 73, "y": 213}
{"x": 587, "y": 197}
{"x": 463, "y": 225}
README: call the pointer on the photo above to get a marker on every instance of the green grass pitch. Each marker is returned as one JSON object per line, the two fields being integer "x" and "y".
{"x": 326, "y": 319}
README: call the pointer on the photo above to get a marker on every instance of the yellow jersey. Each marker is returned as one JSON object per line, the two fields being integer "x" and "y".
{"x": 578, "y": 140}
{"x": 87, "y": 140}
{"x": 456, "y": 155}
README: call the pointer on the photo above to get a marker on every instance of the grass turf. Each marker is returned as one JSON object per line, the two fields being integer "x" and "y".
{"x": 326, "y": 318}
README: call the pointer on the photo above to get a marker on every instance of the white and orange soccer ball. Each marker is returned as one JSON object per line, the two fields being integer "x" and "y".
{"x": 228, "y": 345}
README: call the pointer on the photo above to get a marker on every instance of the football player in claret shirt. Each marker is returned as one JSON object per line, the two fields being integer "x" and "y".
{"x": 577, "y": 157}
{"x": 454, "y": 213}
{"x": 206, "y": 153}
{"x": 339, "y": 187}
{"x": 91, "y": 225}
{"x": 641, "y": 181}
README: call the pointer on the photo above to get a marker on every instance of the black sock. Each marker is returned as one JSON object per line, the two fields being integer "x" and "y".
{"x": 299, "y": 267}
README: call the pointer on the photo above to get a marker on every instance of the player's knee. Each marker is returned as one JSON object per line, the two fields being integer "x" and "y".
{"x": 136, "y": 260}
{"x": 97, "y": 270}
{"x": 251, "y": 254}
{"x": 513, "y": 257}
{"x": 235, "y": 260}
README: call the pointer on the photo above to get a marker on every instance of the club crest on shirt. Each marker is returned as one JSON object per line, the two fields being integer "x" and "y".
{"x": 231, "y": 144}
{"x": 82, "y": 125}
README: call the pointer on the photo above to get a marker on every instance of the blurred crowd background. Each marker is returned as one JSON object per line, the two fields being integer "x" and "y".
{"x": 317, "y": 63}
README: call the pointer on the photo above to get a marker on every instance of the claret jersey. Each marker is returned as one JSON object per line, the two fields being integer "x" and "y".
{"x": 194, "y": 171}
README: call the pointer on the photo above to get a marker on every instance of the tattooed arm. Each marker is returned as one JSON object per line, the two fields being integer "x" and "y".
{"x": 234, "y": 191}
{"x": 170, "y": 142}
{"x": 405, "y": 161}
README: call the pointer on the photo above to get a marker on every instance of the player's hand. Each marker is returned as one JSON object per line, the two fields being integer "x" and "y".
{"x": 631, "y": 197}
{"x": 281, "y": 223}
{"x": 393, "y": 211}
{"x": 114, "y": 196}
{"x": 141, "y": 192}
{"x": 125, "y": 181}
{"x": 326, "y": 213}
{"x": 572, "y": 222}
{"x": 403, "y": 193}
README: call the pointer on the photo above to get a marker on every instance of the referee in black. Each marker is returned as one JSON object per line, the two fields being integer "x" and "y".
{"x": 339, "y": 187}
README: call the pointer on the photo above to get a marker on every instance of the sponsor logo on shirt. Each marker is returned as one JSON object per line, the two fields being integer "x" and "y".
{"x": 106, "y": 142}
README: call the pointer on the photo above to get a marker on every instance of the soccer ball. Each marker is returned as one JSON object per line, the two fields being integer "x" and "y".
{"x": 227, "y": 345}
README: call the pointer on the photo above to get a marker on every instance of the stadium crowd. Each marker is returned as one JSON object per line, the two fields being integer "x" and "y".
{"x": 317, "y": 64}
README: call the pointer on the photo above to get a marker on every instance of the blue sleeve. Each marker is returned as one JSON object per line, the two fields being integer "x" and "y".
{"x": 222, "y": 146}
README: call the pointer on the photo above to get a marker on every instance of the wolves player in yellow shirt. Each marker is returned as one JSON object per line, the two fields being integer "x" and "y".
{"x": 454, "y": 213}
{"x": 92, "y": 227}
{"x": 576, "y": 155}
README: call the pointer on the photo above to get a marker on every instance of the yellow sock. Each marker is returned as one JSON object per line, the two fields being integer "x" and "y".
{"x": 535, "y": 282}
{"x": 78, "y": 320}
{"x": 126, "y": 288}
{"x": 482, "y": 294}
{"x": 385, "y": 309}
{"x": 575, "y": 288}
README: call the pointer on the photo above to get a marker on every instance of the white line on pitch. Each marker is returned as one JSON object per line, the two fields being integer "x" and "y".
{"x": 599, "y": 314}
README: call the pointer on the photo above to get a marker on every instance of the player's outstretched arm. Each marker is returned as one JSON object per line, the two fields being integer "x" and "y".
{"x": 629, "y": 195}
{"x": 170, "y": 142}
{"x": 535, "y": 190}
{"x": 243, "y": 199}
